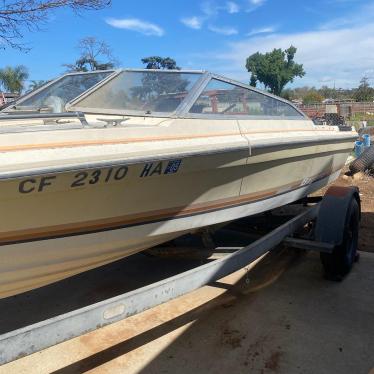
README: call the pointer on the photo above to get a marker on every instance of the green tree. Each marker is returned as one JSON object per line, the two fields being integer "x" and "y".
{"x": 13, "y": 79}
{"x": 312, "y": 97}
{"x": 274, "y": 69}
{"x": 328, "y": 93}
{"x": 20, "y": 16}
{"x": 157, "y": 62}
{"x": 92, "y": 52}
{"x": 364, "y": 92}
{"x": 154, "y": 84}
{"x": 288, "y": 94}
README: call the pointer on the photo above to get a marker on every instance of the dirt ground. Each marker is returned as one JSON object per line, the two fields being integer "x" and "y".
{"x": 268, "y": 318}
{"x": 365, "y": 183}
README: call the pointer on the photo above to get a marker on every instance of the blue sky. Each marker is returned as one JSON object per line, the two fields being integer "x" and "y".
{"x": 335, "y": 38}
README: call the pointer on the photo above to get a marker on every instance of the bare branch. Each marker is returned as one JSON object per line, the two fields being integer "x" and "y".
{"x": 18, "y": 15}
{"x": 92, "y": 52}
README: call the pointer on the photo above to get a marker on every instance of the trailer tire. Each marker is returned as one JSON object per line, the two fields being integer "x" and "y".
{"x": 339, "y": 263}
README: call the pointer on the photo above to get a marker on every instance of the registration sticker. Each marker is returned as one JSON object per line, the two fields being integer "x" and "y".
{"x": 172, "y": 167}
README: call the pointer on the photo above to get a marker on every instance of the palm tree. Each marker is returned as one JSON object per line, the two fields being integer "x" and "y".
{"x": 13, "y": 79}
{"x": 36, "y": 84}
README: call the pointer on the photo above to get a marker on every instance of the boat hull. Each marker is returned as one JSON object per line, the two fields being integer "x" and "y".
{"x": 59, "y": 223}
{"x": 37, "y": 263}
{"x": 31, "y": 264}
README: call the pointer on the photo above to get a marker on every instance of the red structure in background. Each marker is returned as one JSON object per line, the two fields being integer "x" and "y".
{"x": 313, "y": 110}
{"x": 7, "y": 97}
{"x": 345, "y": 109}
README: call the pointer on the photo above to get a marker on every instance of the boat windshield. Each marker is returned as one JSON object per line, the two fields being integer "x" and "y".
{"x": 55, "y": 95}
{"x": 139, "y": 91}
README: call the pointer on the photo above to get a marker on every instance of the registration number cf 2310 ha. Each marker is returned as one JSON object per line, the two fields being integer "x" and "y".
{"x": 91, "y": 177}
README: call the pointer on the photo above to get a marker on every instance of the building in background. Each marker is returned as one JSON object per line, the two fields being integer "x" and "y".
{"x": 7, "y": 97}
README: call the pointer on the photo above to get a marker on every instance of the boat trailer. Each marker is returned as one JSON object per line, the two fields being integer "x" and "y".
{"x": 329, "y": 225}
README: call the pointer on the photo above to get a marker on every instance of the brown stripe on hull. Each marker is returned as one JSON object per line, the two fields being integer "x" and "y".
{"x": 147, "y": 217}
{"x": 24, "y": 147}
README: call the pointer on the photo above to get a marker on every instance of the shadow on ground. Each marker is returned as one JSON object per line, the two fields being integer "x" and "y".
{"x": 87, "y": 288}
{"x": 366, "y": 237}
{"x": 263, "y": 275}
{"x": 299, "y": 324}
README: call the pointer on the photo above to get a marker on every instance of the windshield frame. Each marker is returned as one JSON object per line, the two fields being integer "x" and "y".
{"x": 13, "y": 105}
{"x": 211, "y": 76}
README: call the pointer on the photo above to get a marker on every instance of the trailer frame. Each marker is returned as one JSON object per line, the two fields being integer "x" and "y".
{"x": 33, "y": 338}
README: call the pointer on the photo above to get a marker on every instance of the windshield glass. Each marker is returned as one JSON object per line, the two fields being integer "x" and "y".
{"x": 141, "y": 91}
{"x": 222, "y": 98}
{"x": 56, "y": 95}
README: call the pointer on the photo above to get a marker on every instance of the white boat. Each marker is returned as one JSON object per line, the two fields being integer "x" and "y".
{"x": 98, "y": 166}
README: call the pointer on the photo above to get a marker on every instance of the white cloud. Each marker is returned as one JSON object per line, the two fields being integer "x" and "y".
{"x": 232, "y": 7}
{"x": 369, "y": 72}
{"x": 224, "y": 30}
{"x": 257, "y": 2}
{"x": 209, "y": 8}
{"x": 134, "y": 24}
{"x": 340, "y": 53}
{"x": 326, "y": 79}
{"x": 341, "y": 1}
{"x": 263, "y": 30}
{"x": 343, "y": 54}
{"x": 254, "y": 4}
{"x": 193, "y": 22}
{"x": 364, "y": 15}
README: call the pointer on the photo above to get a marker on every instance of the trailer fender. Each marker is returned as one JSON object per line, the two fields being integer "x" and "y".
{"x": 332, "y": 213}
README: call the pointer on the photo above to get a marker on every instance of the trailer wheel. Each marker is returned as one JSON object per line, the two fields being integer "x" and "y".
{"x": 339, "y": 263}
